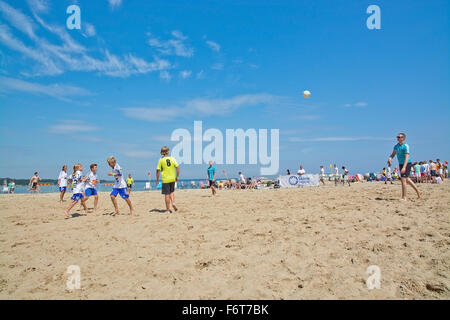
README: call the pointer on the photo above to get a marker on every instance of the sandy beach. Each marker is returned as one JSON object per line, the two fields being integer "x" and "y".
{"x": 310, "y": 243}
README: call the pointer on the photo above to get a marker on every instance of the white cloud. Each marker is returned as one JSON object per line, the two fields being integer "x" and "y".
{"x": 18, "y": 20}
{"x": 217, "y": 66}
{"x": 157, "y": 114}
{"x": 40, "y": 6}
{"x": 337, "y": 139}
{"x": 59, "y": 91}
{"x": 165, "y": 75}
{"x": 213, "y": 45}
{"x": 175, "y": 46}
{"x": 185, "y": 74}
{"x": 67, "y": 55}
{"x": 115, "y": 3}
{"x": 89, "y": 29}
{"x": 200, "y": 74}
{"x": 138, "y": 154}
{"x": 357, "y": 104}
{"x": 71, "y": 127}
{"x": 204, "y": 106}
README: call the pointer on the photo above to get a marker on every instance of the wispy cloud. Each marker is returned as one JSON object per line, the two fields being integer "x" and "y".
{"x": 213, "y": 45}
{"x": 71, "y": 127}
{"x": 217, "y": 66}
{"x": 204, "y": 106}
{"x": 140, "y": 154}
{"x": 174, "y": 46}
{"x": 59, "y": 91}
{"x": 115, "y": 3}
{"x": 66, "y": 55}
{"x": 357, "y": 104}
{"x": 336, "y": 139}
{"x": 185, "y": 74}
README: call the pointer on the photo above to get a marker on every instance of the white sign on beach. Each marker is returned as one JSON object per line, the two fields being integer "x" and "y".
{"x": 295, "y": 181}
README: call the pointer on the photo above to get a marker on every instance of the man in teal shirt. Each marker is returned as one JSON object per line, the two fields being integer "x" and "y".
{"x": 401, "y": 149}
{"x": 211, "y": 177}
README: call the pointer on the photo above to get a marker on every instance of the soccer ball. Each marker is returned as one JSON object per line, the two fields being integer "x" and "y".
{"x": 306, "y": 94}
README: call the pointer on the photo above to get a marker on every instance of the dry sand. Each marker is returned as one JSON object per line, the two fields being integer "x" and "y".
{"x": 311, "y": 243}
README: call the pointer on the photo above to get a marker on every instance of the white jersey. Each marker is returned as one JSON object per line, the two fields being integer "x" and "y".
{"x": 241, "y": 178}
{"x": 322, "y": 172}
{"x": 118, "y": 177}
{"x": 336, "y": 171}
{"x": 389, "y": 173}
{"x": 62, "y": 179}
{"x": 90, "y": 180}
{"x": 78, "y": 184}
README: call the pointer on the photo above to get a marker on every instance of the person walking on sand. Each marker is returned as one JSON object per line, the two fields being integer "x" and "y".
{"x": 401, "y": 149}
{"x": 62, "y": 183}
{"x": 322, "y": 175}
{"x": 211, "y": 177}
{"x": 34, "y": 183}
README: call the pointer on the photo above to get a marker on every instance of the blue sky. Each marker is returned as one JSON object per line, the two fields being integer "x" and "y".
{"x": 137, "y": 70}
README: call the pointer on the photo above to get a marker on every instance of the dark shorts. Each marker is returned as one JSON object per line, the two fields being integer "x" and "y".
{"x": 168, "y": 188}
{"x": 212, "y": 184}
{"x": 61, "y": 189}
{"x": 129, "y": 186}
{"x": 433, "y": 173}
{"x": 407, "y": 171}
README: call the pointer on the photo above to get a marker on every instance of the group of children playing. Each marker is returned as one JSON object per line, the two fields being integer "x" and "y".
{"x": 84, "y": 187}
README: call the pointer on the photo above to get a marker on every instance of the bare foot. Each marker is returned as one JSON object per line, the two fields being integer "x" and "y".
{"x": 131, "y": 212}
{"x": 174, "y": 207}
{"x": 67, "y": 216}
{"x": 403, "y": 199}
{"x": 167, "y": 211}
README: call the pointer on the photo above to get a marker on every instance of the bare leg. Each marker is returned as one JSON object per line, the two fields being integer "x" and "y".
{"x": 403, "y": 188}
{"x": 61, "y": 196}
{"x": 213, "y": 190}
{"x": 128, "y": 201}
{"x": 95, "y": 202}
{"x": 414, "y": 187}
{"x": 69, "y": 208}
{"x": 116, "y": 208}
{"x": 172, "y": 199}
{"x": 83, "y": 203}
{"x": 167, "y": 200}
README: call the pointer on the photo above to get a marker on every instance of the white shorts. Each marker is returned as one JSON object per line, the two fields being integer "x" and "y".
{"x": 441, "y": 172}
{"x": 417, "y": 175}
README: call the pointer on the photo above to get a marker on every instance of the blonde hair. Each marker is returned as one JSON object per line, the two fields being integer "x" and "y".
{"x": 75, "y": 168}
{"x": 165, "y": 150}
{"x": 110, "y": 159}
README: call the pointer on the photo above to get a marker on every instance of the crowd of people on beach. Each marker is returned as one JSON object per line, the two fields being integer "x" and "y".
{"x": 168, "y": 171}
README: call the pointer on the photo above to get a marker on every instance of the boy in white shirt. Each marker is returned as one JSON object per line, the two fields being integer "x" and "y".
{"x": 91, "y": 185}
{"x": 336, "y": 175}
{"x": 120, "y": 187}
{"x": 78, "y": 185}
{"x": 62, "y": 183}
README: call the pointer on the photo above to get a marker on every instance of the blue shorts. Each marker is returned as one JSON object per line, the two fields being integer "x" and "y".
{"x": 122, "y": 191}
{"x": 61, "y": 189}
{"x": 77, "y": 196}
{"x": 90, "y": 192}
